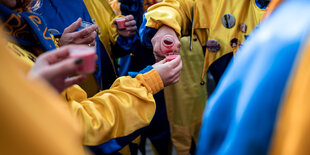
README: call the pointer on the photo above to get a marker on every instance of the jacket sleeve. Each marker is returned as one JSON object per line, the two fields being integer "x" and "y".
{"x": 119, "y": 111}
{"x": 176, "y": 14}
{"x": 101, "y": 11}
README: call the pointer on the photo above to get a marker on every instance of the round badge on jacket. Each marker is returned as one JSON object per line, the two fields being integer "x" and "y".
{"x": 228, "y": 21}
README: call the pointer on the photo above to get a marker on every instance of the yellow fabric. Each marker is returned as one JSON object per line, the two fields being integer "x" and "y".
{"x": 26, "y": 57}
{"x": 292, "y": 132}
{"x": 127, "y": 106}
{"x": 206, "y": 19}
{"x": 148, "y": 3}
{"x": 90, "y": 85}
{"x": 33, "y": 122}
{"x": 101, "y": 11}
{"x": 116, "y": 6}
{"x": 125, "y": 150}
{"x": 272, "y": 6}
{"x": 185, "y": 101}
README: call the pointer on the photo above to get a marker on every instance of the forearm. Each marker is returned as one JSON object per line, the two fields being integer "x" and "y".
{"x": 127, "y": 106}
{"x": 172, "y": 13}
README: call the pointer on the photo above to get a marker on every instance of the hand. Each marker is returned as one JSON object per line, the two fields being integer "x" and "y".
{"x": 85, "y": 36}
{"x": 55, "y": 67}
{"x": 169, "y": 71}
{"x": 130, "y": 29}
{"x": 157, "y": 39}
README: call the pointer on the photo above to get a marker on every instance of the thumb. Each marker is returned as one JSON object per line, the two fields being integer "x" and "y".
{"x": 162, "y": 61}
{"x": 114, "y": 21}
{"x": 73, "y": 26}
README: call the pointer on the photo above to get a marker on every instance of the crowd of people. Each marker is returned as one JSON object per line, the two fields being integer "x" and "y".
{"x": 225, "y": 77}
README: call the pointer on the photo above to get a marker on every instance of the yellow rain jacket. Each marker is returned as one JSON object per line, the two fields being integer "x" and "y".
{"x": 119, "y": 111}
{"x": 200, "y": 19}
{"x": 101, "y": 11}
{"x": 204, "y": 17}
{"x": 32, "y": 122}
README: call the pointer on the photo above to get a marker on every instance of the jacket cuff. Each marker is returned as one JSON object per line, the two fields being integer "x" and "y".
{"x": 152, "y": 81}
{"x": 159, "y": 15}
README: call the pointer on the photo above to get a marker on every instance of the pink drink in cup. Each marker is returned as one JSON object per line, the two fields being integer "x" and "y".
{"x": 121, "y": 23}
{"x": 167, "y": 47}
{"x": 89, "y": 58}
{"x": 170, "y": 57}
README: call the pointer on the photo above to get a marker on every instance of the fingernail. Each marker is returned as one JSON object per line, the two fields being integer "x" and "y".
{"x": 78, "y": 61}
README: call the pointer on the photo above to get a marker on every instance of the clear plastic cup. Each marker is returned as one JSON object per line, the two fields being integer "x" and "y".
{"x": 85, "y": 25}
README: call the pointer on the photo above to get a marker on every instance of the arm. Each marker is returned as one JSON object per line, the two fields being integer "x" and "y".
{"x": 117, "y": 112}
{"x": 126, "y": 107}
{"x": 166, "y": 18}
{"x": 175, "y": 14}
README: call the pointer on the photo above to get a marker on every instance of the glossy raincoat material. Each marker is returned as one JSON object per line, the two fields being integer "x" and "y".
{"x": 260, "y": 104}
{"x": 138, "y": 93}
{"x": 204, "y": 19}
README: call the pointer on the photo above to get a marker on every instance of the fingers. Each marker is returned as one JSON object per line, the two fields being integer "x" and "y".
{"x": 63, "y": 69}
{"x": 158, "y": 57}
{"x": 179, "y": 67}
{"x": 129, "y": 17}
{"x": 89, "y": 39}
{"x": 130, "y": 23}
{"x": 161, "y": 61}
{"x": 131, "y": 33}
{"x": 177, "y": 46}
{"x": 114, "y": 21}
{"x": 74, "y": 80}
{"x": 93, "y": 43}
{"x": 86, "y": 32}
{"x": 175, "y": 62}
{"x": 74, "y": 26}
{"x": 157, "y": 48}
{"x": 126, "y": 33}
{"x": 132, "y": 28}
{"x": 57, "y": 55}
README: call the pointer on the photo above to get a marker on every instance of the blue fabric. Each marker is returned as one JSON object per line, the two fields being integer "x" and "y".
{"x": 132, "y": 7}
{"x": 262, "y": 4}
{"x": 145, "y": 70}
{"x": 115, "y": 145}
{"x": 146, "y": 33}
{"x": 124, "y": 64}
{"x": 240, "y": 116}
{"x": 27, "y": 28}
{"x": 60, "y": 14}
{"x": 158, "y": 131}
{"x": 128, "y": 45}
{"x": 129, "y": 7}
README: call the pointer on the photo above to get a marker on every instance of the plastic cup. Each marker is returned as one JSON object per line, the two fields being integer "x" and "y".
{"x": 89, "y": 58}
{"x": 167, "y": 44}
{"x": 121, "y": 23}
{"x": 85, "y": 25}
{"x": 170, "y": 57}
